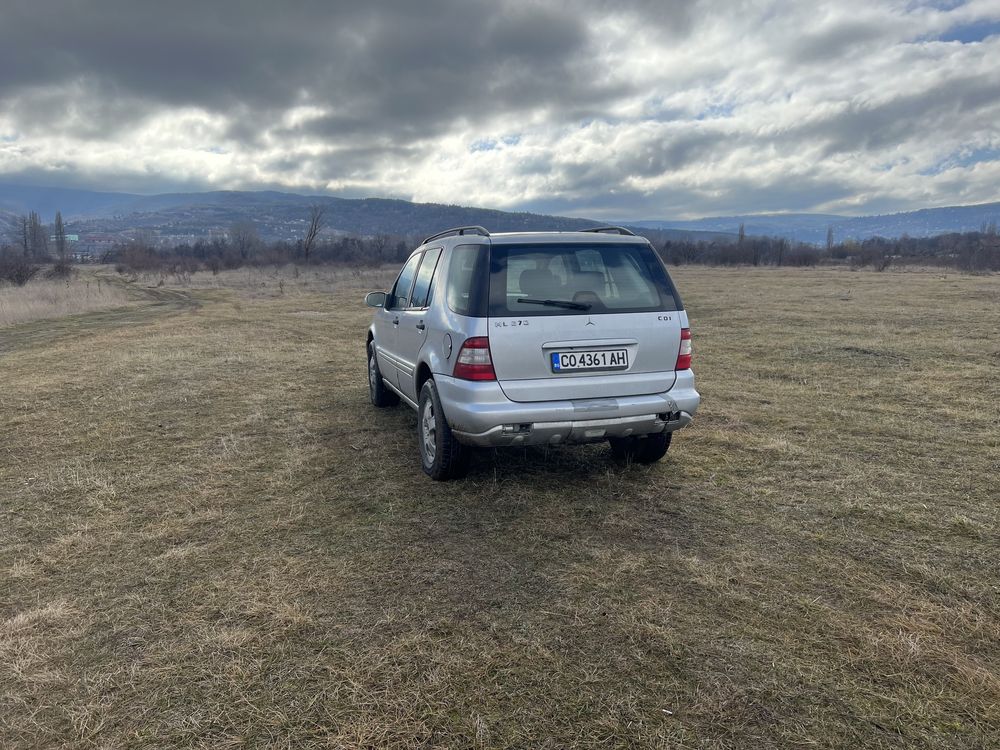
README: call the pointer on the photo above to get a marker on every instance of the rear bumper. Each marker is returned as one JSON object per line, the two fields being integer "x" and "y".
{"x": 480, "y": 414}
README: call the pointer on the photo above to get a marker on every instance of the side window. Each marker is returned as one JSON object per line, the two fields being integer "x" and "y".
{"x": 590, "y": 261}
{"x": 422, "y": 287}
{"x": 468, "y": 280}
{"x": 401, "y": 289}
{"x": 631, "y": 283}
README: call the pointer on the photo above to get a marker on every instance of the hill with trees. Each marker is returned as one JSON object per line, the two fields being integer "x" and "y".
{"x": 813, "y": 228}
{"x": 172, "y": 218}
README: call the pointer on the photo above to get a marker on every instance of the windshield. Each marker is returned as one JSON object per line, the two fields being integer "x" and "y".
{"x": 578, "y": 279}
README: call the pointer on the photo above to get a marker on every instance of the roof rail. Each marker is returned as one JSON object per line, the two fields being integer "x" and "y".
{"x": 619, "y": 230}
{"x": 457, "y": 230}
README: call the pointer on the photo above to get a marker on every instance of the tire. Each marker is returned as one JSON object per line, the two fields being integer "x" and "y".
{"x": 378, "y": 391}
{"x": 642, "y": 450}
{"x": 441, "y": 455}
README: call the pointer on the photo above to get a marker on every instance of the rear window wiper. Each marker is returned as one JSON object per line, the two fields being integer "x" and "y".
{"x": 555, "y": 303}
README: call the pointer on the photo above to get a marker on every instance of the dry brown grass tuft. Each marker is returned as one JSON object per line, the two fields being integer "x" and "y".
{"x": 41, "y": 299}
{"x": 208, "y": 538}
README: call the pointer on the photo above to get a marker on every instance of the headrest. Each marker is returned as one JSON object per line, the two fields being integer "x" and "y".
{"x": 538, "y": 282}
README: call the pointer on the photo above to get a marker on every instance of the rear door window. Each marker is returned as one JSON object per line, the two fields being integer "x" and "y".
{"x": 422, "y": 286}
{"x": 554, "y": 279}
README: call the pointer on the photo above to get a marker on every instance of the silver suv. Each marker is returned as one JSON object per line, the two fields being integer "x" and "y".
{"x": 533, "y": 338}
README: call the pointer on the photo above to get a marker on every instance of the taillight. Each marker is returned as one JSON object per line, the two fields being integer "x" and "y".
{"x": 474, "y": 361}
{"x": 684, "y": 354}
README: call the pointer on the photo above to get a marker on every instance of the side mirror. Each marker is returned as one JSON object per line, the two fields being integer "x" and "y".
{"x": 375, "y": 299}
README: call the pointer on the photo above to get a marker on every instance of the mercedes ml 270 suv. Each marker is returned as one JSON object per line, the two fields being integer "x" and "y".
{"x": 533, "y": 338}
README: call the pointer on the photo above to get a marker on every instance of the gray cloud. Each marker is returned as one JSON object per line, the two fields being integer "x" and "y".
{"x": 836, "y": 41}
{"x": 373, "y": 65}
{"x": 616, "y": 109}
{"x": 690, "y": 146}
{"x": 863, "y": 127}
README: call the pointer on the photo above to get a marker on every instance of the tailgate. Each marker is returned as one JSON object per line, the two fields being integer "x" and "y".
{"x": 562, "y": 357}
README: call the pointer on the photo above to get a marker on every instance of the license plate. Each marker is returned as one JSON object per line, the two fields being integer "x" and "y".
{"x": 605, "y": 359}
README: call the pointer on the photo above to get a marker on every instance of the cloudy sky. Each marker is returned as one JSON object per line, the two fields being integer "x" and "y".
{"x": 627, "y": 110}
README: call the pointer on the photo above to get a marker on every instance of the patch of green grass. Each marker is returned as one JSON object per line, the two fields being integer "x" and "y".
{"x": 208, "y": 537}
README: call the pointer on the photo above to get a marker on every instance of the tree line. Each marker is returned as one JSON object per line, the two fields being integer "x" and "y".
{"x": 973, "y": 252}
{"x": 32, "y": 246}
{"x": 35, "y": 246}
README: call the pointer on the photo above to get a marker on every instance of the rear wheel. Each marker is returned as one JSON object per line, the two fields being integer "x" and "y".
{"x": 441, "y": 455}
{"x": 378, "y": 391}
{"x": 644, "y": 450}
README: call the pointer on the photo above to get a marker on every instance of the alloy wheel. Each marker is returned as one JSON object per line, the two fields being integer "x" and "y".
{"x": 372, "y": 373}
{"x": 428, "y": 431}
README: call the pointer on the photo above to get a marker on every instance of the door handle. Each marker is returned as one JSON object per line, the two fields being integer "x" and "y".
{"x": 421, "y": 325}
{"x": 395, "y": 322}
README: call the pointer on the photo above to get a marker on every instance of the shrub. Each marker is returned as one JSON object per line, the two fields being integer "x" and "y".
{"x": 15, "y": 268}
{"x": 61, "y": 269}
{"x": 802, "y": 255}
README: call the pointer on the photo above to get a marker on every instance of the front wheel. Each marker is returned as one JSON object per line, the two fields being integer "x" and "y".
{"x": 378, "y": 392}
{"x": 643, "y": 450}
{"x": 441, "y": 455}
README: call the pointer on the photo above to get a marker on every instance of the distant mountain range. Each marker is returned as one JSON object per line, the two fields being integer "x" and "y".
{"x": 183, "y": 217}
{"x": 926, "y": 222}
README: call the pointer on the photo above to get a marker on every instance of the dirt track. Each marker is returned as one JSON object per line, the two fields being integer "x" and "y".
{"x": 148, "y": 303}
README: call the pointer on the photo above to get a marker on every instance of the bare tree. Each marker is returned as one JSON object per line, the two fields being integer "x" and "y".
{"x": 244, "y": 238}
{"x": 25, "y": 236}
{"x": 37, "y": 236}
{"x": 316, "y": 224}
{"x": 782, "y": 248}
{"x": 15, "y": 267}
{"x": 379, "y": 244}
{"x": 59, "y": 230}
{"x": 63, "y": 265}
{"x": 829, "y": 238}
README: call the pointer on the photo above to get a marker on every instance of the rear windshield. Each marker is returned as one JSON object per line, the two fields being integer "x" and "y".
{"x": 578, "y": 279}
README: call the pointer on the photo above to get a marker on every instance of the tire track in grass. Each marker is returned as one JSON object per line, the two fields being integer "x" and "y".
{"x": 154, "y": 303}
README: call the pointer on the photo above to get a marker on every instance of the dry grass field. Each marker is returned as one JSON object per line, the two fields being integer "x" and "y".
{"x": 43, "y": 299}
{"x": 208, "y": 538}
